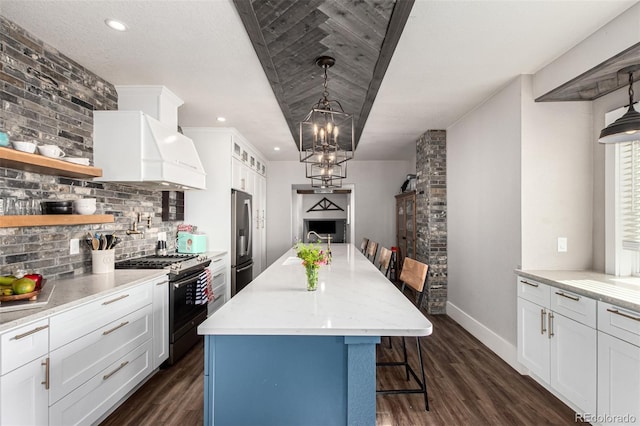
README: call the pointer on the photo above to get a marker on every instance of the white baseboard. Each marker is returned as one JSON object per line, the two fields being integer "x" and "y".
{"x": 489, "y": 338}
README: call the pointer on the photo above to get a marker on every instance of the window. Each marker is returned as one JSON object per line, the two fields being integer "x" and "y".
{"x": 622, "y": 209}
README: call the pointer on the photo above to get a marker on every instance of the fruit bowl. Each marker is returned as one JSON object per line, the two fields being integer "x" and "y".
{"x": 33, "y": 295}
{"x": 26, "y": 296}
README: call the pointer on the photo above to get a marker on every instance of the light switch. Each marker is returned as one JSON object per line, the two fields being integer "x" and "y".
{"x": 74, "y": 246}
{"x": 562, "y": 244}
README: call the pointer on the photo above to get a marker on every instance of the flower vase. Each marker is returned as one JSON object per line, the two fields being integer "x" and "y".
{"x": 312, "y": 277}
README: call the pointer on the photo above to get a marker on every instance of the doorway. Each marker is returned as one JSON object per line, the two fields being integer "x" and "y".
{"x": 324, "y": 209}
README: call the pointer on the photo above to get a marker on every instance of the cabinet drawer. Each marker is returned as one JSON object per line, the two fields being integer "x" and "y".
{"x": 571, "y": 305}
{"x": 92, "y": 400}
{"x": 619, "y": 322}
{"x": 219, "y": 300}
{"x": 75, "y": 363}
{"x": 533, "y": 291}
{"x": 23, "y": 344}
{"x": 218, "y": 279}
{"x": 77, "y": 322}
{"x": 217, "y": 264}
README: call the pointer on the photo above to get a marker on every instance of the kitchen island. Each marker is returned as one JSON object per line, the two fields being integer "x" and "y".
{"x": 277, "y": 354}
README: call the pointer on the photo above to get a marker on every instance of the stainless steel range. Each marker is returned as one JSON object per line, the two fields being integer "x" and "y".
{"x": 184, "y": 270}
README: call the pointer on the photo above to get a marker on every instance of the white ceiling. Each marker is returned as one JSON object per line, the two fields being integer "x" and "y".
{"x": 452, "y": 55}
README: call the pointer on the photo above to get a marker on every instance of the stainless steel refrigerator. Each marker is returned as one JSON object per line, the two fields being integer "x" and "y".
{"x": 241, "y": 244}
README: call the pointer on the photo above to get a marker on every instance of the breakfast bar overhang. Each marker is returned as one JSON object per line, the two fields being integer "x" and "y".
{"x": 277, "y": 354}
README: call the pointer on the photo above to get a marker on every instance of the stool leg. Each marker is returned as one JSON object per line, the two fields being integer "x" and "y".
{"x": 406, "y": 362}
{"x": 424, "y": 381}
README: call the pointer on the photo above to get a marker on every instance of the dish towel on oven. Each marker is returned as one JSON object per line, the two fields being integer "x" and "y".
{"x": 200, "y": 292}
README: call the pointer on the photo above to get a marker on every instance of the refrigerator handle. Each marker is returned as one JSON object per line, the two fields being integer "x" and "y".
{"x": 248, "y": 212}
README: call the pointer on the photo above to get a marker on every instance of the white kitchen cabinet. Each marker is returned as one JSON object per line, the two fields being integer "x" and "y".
{"x": 618, "y": 379}
{"x": 533, "y": 340}
{"x": 160, "y": 322}
{"x": 226, "y": 157}
{"x": 88, "y": 403}
{"x": 24, "y": 395}
{"x": 557, "y": 341}
{"x": 78, "y": 361}
{"x": 219, "y": 283}
{"x": 24, "y": 383}
{"x": 573, "y": 361}
{"x": 618, "y": 364}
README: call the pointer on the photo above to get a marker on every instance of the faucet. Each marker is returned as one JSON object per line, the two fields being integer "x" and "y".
{"x": 135, "y": 229}
{"x": 328, "y": 238}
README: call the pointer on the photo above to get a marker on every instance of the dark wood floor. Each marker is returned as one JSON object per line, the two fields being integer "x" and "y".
{"x": 468, "y": 385}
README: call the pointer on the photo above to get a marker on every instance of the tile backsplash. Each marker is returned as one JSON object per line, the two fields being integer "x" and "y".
{"x": 47, "y": 97}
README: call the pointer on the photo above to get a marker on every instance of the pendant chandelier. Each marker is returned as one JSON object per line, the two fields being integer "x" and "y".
{"x": 327, "y": 139}
{"x": 627, "y": 127}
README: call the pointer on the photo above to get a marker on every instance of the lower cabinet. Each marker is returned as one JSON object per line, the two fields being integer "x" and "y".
{"x": 49, "y": 375}
{"x": 573, "y": 361}
{"x": 24, "y": 396}
{"x": 160, "y": 322}
{"x": 618, "y": 379}
{"x": 87, "y": 403}
{"x": 618, "y": 364}
{"x": 558, "y": 349}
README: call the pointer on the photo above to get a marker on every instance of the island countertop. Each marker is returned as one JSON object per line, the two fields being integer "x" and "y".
{"x": 353, "y": 299}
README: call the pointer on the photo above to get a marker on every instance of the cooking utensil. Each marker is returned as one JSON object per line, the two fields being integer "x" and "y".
{"x": 103, "y": 242}
{"x": 95, "y": 244}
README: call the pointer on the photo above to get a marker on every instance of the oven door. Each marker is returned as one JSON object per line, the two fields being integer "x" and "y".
{"x": 182, "y": 310}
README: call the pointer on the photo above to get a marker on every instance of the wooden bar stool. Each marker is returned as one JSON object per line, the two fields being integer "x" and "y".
{"x": 414, "y": 274}
{"x": 372, "y": 250}
{"x": 363, "y": 245}
{"x": 384, "y": 261}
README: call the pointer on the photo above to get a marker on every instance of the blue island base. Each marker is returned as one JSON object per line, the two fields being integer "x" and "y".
{"x": 290, "y": 380}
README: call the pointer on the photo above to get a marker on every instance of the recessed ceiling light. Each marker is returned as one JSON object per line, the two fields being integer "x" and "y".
{"x": 221, "y": 119}
{"x": 276, "y": 148}
{"x": 116, "y": 25}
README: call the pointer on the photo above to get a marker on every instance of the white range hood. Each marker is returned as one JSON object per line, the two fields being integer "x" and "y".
{"x": 139, "y": 144}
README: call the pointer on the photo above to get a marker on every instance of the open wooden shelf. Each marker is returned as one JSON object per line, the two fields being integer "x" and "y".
{"x": 54, "y": 219}
{"x": 36, "y": 163}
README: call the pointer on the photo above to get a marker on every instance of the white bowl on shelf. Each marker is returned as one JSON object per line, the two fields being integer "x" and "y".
{"x": 77, "y": 160}
{"x": 23, "y": 146}
{"x": 84, "y": 206}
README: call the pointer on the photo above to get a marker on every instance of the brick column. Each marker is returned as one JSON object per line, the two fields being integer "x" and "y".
{"x": 431, "y": 215}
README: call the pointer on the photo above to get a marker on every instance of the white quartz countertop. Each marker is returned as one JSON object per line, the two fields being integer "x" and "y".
{"x": 353, "y": 299}
{"x": 70, "y": 292}
{"x": 621, "y": 291}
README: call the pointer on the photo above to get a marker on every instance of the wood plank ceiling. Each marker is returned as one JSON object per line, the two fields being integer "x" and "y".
{"x": 288, "y": 36}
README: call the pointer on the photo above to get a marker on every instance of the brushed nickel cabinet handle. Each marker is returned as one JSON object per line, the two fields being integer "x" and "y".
{"x": 528, "y": 283}
{"x": 120, "y": 367}
{"x": 622, "y": 314}
{"x": 218, "y": 275}
{"x": 568, "y": 296}
{"x": 542, "y": 315}
{"x": 217, "y": 260}
{"x": 162, "y": 283}
{"x": 550, "y": 325}
{"x": 104, "y": 333}
{"x": 46, "y": 373}
{"x": 30, "y": 332}
{"x": 115, "y": 300}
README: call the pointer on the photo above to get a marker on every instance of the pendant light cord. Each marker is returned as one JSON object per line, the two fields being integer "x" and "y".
{"x": 630, "y": 89}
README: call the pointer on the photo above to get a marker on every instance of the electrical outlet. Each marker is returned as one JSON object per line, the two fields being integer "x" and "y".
{"x": 562, "y": 244}
{"x": 162, "y": 236}
{"x": 74, "y": 246}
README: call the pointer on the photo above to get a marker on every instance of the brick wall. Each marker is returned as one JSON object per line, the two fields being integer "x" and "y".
{"x": 431, "y": 215}
{"x": 47, "y": 97}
